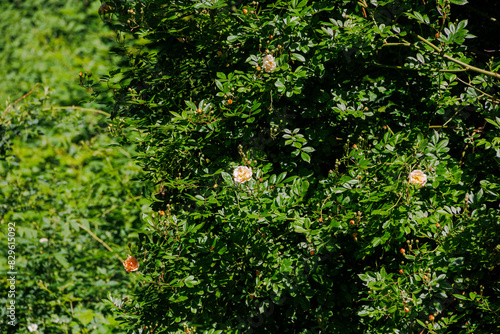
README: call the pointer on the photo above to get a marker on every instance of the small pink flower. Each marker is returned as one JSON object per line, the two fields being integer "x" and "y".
{"x": 242, "y": 174}
{"x": 418, "y": 177}
{"x": 131, "y": 264}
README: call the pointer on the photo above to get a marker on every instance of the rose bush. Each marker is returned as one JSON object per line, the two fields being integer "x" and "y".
{"x": 328, "y": 234}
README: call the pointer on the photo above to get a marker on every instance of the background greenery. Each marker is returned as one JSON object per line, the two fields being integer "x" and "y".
{"x": 49, "y": 43}
{"x": 61, "y": 176}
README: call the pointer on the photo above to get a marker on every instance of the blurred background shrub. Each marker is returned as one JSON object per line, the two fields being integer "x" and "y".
{"x": 64, "y": 183}
{"x": 49, "y": 43}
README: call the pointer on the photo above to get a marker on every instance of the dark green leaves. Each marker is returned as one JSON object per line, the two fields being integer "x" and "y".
{"x": 362, "y": 95}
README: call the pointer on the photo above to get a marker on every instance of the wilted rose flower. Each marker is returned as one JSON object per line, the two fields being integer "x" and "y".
{"x": 269, "y": 64}
{"x": 242, "y": 174}
{"x": 104, "y": 9}
{"x": 418, "y": 177}
{"x": 131, "y": 264}
{"x": 33, "y": 327}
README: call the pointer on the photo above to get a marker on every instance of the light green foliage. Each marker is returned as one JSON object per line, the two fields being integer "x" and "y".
{"x": 329, "y": 235}
{"x": 66, "y": 188}
{"x": 62, "y": 177}
{"x": 49, "y": 43}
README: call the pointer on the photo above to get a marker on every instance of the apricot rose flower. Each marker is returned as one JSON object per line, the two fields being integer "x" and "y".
{"x": 418, "y": 177}
{"x": 242, "y": 174}
{"x": 131, "y": 264}
{"x": 269, "y": 64}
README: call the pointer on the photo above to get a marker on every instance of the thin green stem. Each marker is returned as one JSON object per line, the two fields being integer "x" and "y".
{"x": 444, "y": 126}
{"x": 102, "y": 242}
{"x": 81, "y": 109}
{"x": 459, "y": 62}
{"x": 421, "y": 70}
{"x": 430, "y": 44}
{"x": 396, "y": 44}
{"x": 390, "y": 130}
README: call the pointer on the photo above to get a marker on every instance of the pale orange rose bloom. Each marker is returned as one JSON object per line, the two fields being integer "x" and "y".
{"x": 269, "y": 63}
{"x": 131, "y": 264}
{"x": 242, "y": 174}
{"x": 418, "y": 177}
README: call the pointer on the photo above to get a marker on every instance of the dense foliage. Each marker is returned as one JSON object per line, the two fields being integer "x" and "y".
{"x": 314, "y": 166}
{"x": 66, "y": 190}
{"x": 331, "y": 104}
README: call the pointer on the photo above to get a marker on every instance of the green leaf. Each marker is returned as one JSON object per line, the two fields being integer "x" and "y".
{"x": 279, "y": 84}
{"x": 301, "y": 225}
{"x": 364, "y": 313}
{"x": 298, "y": 57}
{"x": 308, "y": 149}
{"x": 227, "y": 177}
{"x": 255, "y": 106}
{"x": 461, "y": 297}
{"x": 191, "y": 105}
{"x": 85, "y": 316}
{"x": 421, "y": 323}
{"x": 281, "y": 177}
{"x": 219, "y": 85}
{"x": 62, "y": 260}
{"x": 495, "y": 122}
{"x": 306, "y": 157}
{"x": 190, "y": 281}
